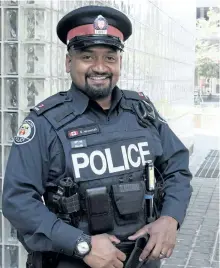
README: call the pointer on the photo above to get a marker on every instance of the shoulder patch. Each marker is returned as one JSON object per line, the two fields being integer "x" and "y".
{"x": 26, "y": 132}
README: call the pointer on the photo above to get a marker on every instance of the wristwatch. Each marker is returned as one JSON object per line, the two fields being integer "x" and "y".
{"x": 83, "y": 246}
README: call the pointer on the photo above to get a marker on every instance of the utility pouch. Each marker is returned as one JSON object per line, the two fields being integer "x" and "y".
{"x": 99, "y": 211}
{"x": 128, "y": 202}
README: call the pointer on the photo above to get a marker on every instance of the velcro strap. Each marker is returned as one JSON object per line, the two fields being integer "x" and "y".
{"x": 71, "y": 204}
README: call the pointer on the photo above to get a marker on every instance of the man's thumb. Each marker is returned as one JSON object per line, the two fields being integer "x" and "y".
{"x": 138, "y": 234}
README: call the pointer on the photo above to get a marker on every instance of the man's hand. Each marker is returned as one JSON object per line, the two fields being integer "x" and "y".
{"x": 162, "y": 238}
{"x": 104, "y": 254}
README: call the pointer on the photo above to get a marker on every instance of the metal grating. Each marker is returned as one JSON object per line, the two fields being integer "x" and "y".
{"x": 210, "y": 166}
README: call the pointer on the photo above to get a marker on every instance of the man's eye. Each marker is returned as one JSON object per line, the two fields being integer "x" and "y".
{"x": 87, "y": 57}
{"x": 110, "y": 58}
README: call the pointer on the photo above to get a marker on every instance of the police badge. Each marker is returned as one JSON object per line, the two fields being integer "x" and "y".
{"x": 100, "y": 25}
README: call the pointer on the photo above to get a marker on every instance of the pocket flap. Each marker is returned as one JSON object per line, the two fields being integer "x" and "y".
{"x": 129, "y": 197}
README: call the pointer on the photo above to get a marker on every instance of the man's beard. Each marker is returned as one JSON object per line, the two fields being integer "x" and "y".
{"x": 97, "y": 92}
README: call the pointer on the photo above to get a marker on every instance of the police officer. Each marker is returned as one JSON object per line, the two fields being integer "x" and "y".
{"x": 105, "y": 140}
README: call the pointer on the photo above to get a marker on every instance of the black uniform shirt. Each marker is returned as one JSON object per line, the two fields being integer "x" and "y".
{"x": 33, "y": 164}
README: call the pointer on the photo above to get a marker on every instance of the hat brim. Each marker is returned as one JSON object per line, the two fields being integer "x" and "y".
{"x": 81, "y": 42}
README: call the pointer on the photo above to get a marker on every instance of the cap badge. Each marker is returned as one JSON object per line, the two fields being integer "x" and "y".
{"x": 100, "y": 25}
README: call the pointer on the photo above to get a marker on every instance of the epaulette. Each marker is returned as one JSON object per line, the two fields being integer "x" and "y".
{"x": 50, "y": 103}
{"x": 144, "y": 108}
{"x": 134, "y": 95}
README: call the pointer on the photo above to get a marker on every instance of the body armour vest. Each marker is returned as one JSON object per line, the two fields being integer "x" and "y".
{"x": 107, "y": 161}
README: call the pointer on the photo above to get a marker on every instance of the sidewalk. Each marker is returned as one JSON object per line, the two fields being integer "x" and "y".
{"x": 198, "y": 239}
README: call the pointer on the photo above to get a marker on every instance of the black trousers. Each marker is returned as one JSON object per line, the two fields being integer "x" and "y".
{"x": 68, "y": 262}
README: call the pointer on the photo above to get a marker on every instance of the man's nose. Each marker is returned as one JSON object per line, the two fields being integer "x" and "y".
{"x": 100, "y": 66}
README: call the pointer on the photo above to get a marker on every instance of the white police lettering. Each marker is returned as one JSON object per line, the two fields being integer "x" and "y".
{"x": 78, "y": 165}
{"x": 100, "y": 162}
{"x": 143, "y": 152}
{"x": 138, "y": 162}
{"x": 92, "y": 164}
{"x": 111, "y": 168}
{"x": 125, "y": 157}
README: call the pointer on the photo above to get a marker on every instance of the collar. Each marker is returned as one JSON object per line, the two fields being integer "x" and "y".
{"x": 116, "y": 98}
{"x": 81, "y": 100}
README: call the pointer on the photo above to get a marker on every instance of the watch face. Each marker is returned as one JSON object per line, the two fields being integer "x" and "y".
{"x": 83, "y": 247}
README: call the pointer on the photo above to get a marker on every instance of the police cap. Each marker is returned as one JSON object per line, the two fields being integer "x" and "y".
{"x": 93, "y": 25}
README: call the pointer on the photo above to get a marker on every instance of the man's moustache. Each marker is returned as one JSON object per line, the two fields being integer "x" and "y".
{"x": 92, "y": 75}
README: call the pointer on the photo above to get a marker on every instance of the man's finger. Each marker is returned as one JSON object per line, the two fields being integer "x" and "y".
{"x": 159, "y": 252}
{"x": 163, "y": 252}
{"x": 155, "y": 254}
{"x": 148, "y": 248}
{"x": 120, "y": 255}
{"x": 114, "y": 239}
{"x": 117, "y": 264}
{"x": 139, "y": 233}
{"x": 169, "y": 252}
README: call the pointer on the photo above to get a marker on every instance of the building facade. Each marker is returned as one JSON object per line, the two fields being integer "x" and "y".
{"x": 158, "y": 60}
{"x": 211, "y": 36}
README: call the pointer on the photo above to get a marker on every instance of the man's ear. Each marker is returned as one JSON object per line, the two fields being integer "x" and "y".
{"x": 68, "y": 63}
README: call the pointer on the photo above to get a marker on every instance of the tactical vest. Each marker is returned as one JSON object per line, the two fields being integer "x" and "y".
{"x": 109, "y": 159}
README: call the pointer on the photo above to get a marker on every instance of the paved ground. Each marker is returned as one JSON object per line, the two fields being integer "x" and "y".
{"x": 198, "y": 240}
